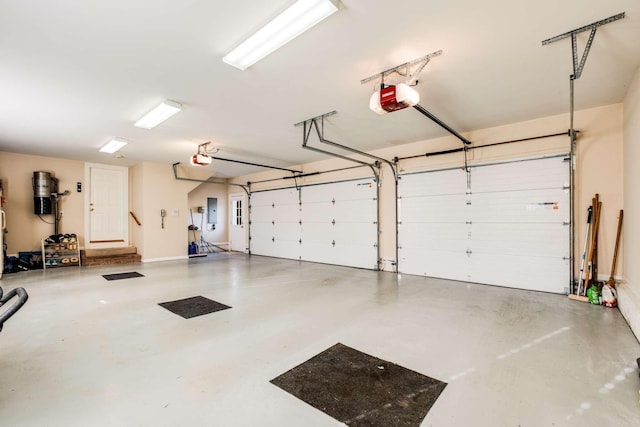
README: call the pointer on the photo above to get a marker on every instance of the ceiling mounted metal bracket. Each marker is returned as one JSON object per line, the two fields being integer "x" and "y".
{"x": 405, "y": 69}
{"x": 578, "y": 66}
{"x": 577, "y": 72}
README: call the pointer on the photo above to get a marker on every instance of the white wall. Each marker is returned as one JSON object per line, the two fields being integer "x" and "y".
{"x": 629, "y": 290}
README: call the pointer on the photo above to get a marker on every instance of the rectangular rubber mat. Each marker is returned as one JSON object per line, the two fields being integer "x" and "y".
{"x": 361, "y": 390}
{"x": 120, "y": 276}
{"x": 193, "y": 306}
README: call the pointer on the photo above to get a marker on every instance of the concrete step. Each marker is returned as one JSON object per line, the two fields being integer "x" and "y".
{"x": 110, "y": 256}
{"x": 107, "y": 252}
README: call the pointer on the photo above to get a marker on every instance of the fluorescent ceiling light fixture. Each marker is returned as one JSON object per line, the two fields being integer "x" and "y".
{"x": 159, "y": 114}
{"x": 112, "y": 146}
{"x": 295, "y": 20}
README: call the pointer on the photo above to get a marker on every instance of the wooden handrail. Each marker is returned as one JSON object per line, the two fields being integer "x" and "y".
{"x": 135, "y": 218}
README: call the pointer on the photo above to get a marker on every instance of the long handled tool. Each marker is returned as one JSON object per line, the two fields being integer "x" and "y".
{"x": 580, "y": 285}
{"x": 594, "y": 261}
{"x": 612, "y": 280}
{"x": 594, "y": 240}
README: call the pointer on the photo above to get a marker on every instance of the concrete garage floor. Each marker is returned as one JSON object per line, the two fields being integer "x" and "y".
{"x": 87, "y": 352}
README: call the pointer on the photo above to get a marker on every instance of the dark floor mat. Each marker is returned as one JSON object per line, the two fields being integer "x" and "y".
{"x": 362, "y": 390}
{"x": 193, "y": 307}
{"x": 120, "y": 276}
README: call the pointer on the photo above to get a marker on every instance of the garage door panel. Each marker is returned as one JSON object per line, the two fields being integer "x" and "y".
{"x": 355, "y": 232}
{"x": 356, "y": 211}
{"x": 439, "y": 263}
{"x": 261, "y": 231}
{"x": 287, "y": 231}
{"x": 433, "y": 208}
{"x": 433, "y": 183}
{"x": 318, "y": 216}
{"x": 286, "y": 249}
{"x": 521, "y": 239}
{"x": 510, "y": 270}
{"x": 523, "y": 175}
{"x": 261, "y": 211}
{"x": 514, "y": 217}
{"x": 448, "y": 237}
{"x": 535, "y": 206}
{"x": 317, "y": 232}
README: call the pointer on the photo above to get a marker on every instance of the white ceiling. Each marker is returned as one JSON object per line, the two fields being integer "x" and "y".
{"x": 75, "y": 73}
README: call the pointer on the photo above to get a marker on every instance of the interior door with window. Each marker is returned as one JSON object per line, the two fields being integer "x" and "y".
{"x": 237, "y": 231}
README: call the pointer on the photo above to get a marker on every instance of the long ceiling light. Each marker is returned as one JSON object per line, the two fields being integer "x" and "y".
{"x": 159, "y": 114}
{"x": 295, "y": 20}
{"x": 112, "y": 146}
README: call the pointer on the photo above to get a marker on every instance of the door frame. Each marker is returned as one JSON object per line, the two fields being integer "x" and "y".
{"x": 245, "y": 224}
{"x": 87, "y": 201}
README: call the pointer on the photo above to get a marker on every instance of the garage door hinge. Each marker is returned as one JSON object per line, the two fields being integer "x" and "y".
{"x": 333, "y": 201}
{"x": 273, "y": 239}
{"x": 468, "y": 222}
{"x": 566, "y": 187}
{"x": 566, "y": 223}
{"x": 566, "y": 258}
{"x": 300, "y": 241}
{"x": 468, "y": 202}
{"x": 273, "y": 205}
{"x": 300, "y": 222}
{"x": 333, "y": 222}
{"x": 375, "y": 198}
{"x": 333, "y": 243}
{"x": 273, "y": 222}
{"x": 469, "y": 252}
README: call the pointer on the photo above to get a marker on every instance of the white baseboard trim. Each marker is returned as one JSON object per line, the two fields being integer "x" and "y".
{"x": 174, "y": 258}
{"x": 629, "y": 305}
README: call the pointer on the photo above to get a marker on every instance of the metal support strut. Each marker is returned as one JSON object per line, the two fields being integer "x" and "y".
{"x": 309, "y": 124}
{"x": 578, "y": 67}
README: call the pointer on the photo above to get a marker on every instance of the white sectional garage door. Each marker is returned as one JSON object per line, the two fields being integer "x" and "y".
{"x": 333, "y": 223}
{"x": 511, "y": 230}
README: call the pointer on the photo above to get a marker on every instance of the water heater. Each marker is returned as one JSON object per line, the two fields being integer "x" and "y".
{"x": 43, "y": 186}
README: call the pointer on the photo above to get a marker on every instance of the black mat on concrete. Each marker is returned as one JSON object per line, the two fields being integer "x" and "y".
{"x": 362, "y": 390}
{"x": 120, "y": 276}
{"x": 193, "y": 307}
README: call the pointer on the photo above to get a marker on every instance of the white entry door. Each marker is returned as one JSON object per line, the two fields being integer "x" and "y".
{"x": 237, "y": 220}
{"x": 106, "y": 205}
